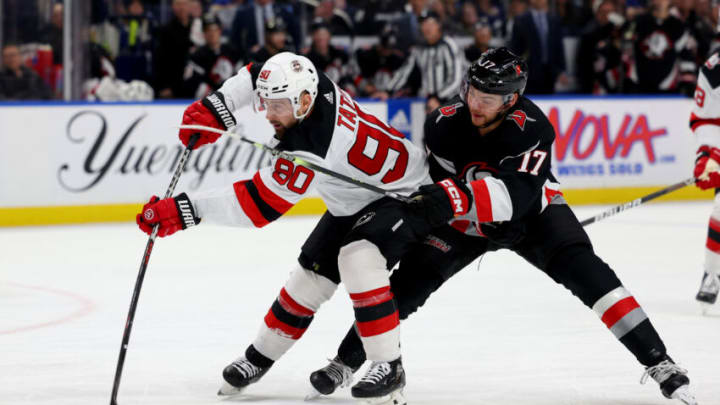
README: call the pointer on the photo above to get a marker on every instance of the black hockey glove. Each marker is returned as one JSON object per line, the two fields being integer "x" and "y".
{"x": 504, "y": 234}
{"x": 438, "y": 203}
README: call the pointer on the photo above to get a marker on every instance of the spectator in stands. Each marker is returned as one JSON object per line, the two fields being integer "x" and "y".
{"x": 135, "y": 29}
{"x": 19, "y": 82}
{"x": 598, "y": 56}
{"x": 336, "y": 19}
{"x": 248, "y": 32}
{"x": 664, "y": 60}
{"x": 537, "y": 37}
{"x": 468, "y": 18}
{"x": 329, "y": 59}
{"x": 492, "y": 13}
{"x": 172, "y": 52}
{"x": 52, "y": 33}
{"x": 225, "y": 10}
{"x": 700, "y": 27}
{"x": 439, "y": 62}
{"x": 482, "y": 36}
{"x": 515, "y": 10}
{"x": 408, "y": 25}
{"x": 573, "y": 16}
{"x": 373, "y": 15}
{"x": 377, "y": 65}
{"x": 276, "y": 39}
{"x": 450, "y": 25}
{"x": 197, "y": 35}
{"x": 211, "y": 64}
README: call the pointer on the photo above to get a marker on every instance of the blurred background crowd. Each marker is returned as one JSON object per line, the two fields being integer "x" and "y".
{"x": 167, "y": 49}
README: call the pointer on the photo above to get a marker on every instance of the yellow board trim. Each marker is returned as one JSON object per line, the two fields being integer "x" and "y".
{"x": 61, "y": 215}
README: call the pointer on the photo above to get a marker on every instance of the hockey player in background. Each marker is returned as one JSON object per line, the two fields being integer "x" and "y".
{"x": 360, "y": 237}
{"x": 705, "y": 123}
{"x": 489, "y": 151}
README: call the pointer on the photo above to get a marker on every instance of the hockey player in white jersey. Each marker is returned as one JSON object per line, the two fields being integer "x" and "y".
{"x": 705, "y": 123}
{"x": 360, "y": 237}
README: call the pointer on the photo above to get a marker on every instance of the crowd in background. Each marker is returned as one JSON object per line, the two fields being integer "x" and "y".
{"x": 372, "y": 48}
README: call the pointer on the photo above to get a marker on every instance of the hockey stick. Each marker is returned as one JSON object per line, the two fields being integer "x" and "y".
{"x": 302, "y": 162}
{"x": 141, "y": 273}
{"x": 638, "y": 201}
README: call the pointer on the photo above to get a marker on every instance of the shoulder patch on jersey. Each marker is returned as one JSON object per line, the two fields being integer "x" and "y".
{"x": 520, "y": 118}
{"x": 711, "y": 71}
{"x": 448, "y": 111}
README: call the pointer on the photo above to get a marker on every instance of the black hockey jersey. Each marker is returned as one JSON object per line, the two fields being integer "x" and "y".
{"x": 663, "y": 54}
{"x": 507, "y": 170}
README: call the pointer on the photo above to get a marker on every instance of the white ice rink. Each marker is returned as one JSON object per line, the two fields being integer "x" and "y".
{"x": 503, "y": 334}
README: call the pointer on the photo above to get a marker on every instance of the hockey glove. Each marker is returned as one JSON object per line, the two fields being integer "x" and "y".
{"x": 171, "y": 214}
{"x": 438, "y": 203}
{"x": 210, "y": 112}
{"x": 706, "y": 167}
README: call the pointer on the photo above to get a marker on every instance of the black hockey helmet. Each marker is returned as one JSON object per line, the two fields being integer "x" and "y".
{"x": 497, "y": 71}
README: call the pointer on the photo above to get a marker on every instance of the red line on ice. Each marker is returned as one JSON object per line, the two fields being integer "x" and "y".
{"x": 86, "y": 306}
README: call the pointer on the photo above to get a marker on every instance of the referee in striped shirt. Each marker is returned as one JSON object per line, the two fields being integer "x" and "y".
{"x": 438, "y": 60}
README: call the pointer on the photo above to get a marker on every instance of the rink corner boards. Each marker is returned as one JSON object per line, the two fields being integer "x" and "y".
{"x": 78, "y": 214}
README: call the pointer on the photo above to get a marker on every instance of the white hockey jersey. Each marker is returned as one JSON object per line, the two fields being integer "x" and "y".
{"x": 705, "y": 116}
{"x": 338, "y": 135}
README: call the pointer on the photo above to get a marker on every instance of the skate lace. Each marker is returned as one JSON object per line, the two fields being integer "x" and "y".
{"x": 661, "y": 371}
{"x": 711, "y": 283}
{"x": 339, "y": 372}
{"x": 376, "y": 372}
{"x": 247, "y": 369}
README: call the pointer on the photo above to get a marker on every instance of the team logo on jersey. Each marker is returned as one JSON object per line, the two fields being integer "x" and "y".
{"x": 438, "y": 243}
{"x": 296, "y": 66}
{"x": 520, "y": 118}
{"x": 364, "y": 219}
{"x": 264, "y": 74}
{"x": 656, "y": 45}
{"x": 448, "y": 111}
{"x": 713, "y": 61}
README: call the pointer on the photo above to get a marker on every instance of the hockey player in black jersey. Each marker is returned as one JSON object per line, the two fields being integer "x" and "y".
{"x": 489, "y": 153}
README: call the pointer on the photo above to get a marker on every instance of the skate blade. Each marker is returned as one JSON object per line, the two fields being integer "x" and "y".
{"x": 394, "y": 398}
{"x": 313, "y": 395}
{"x": 229, "y": 390}
{"x": 683, "y": 394}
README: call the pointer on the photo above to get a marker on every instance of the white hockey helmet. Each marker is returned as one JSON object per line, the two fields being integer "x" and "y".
{"x": 286, "y": 76}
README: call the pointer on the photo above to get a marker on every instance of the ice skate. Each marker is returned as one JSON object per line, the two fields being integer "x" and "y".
{"x": 709, "y": 287}
{"x": 673, "y": 381}
{"x": 327, "y": 379}
{"x": 239, "y": 374}
{"x": 382, "y": 384}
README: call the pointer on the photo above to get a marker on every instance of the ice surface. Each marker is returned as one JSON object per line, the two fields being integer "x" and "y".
{"x": 503, "y": 334}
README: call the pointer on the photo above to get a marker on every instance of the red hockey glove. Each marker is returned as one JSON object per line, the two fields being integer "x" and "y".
{"x": 210, "y": 112}
{"x": 438, "y": 203}
{"x": 172, "y": 214}
{"x": 706, "y": 167}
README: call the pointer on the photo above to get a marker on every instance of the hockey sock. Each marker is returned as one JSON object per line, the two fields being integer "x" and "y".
{"x": 596, "y": 284}
{"x": 351, "y": 350}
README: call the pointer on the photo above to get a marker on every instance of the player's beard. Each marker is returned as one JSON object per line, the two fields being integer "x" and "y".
{"x": 279, "y": 128}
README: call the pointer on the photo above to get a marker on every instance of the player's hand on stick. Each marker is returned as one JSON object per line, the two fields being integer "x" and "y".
{"x": 170, "y": 214}
{"x": 438, "y": 203}
{"x": 706, "y": 167}
{"x": 210, "y": 112}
